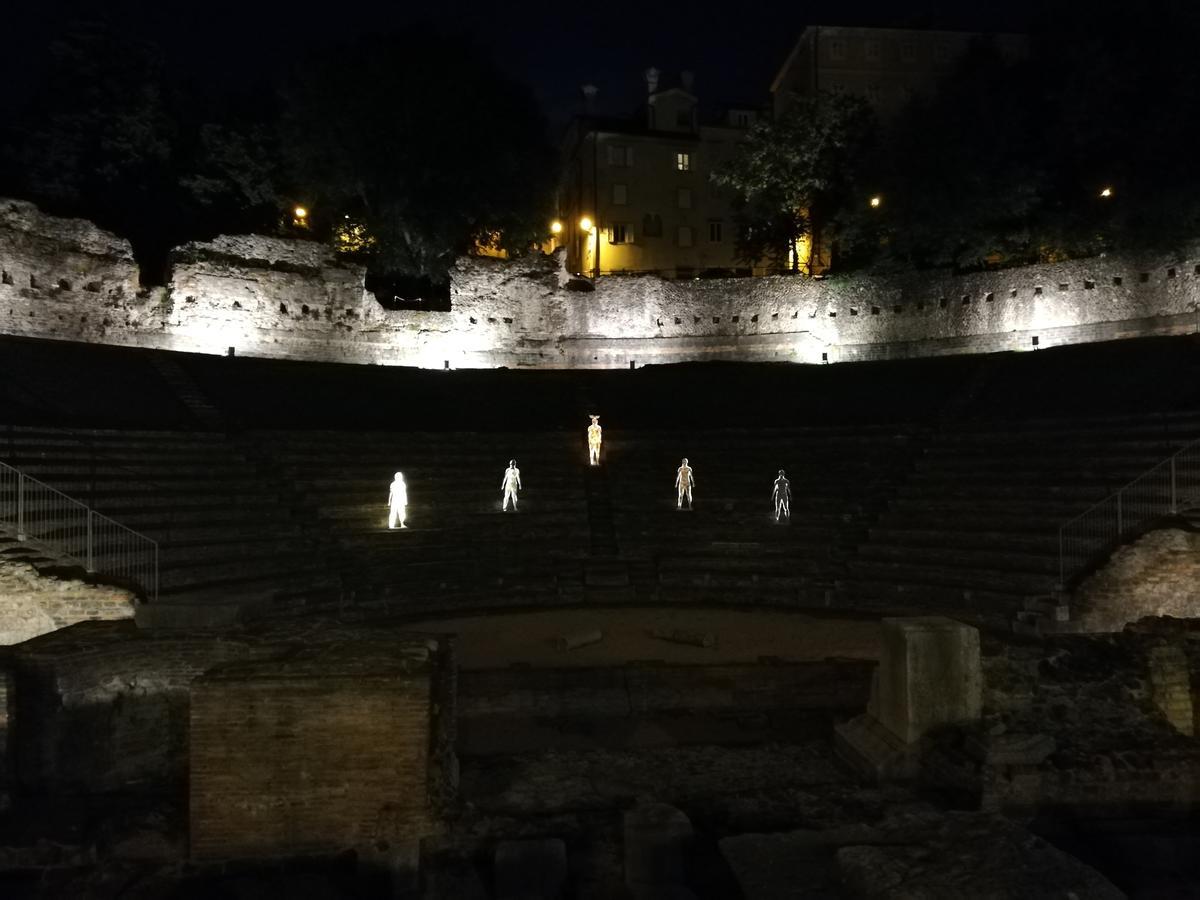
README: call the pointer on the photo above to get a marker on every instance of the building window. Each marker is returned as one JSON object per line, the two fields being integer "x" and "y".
{"x": 941, "y": 52}
{"x": 742, "y": 119}
{"x": 873, "y": 50}
{"x": 620, "y": 155}
{"x": 837, "y": 49}
{"x": 874, "y": 92}
{"x": 684, "y": 198}
{"x": 684, "y": 236}
{"x": 619, "y": 195}
{"x": 715, "y": 232}
{"x": 908, "y": 51}
{"x": 620, "y": 233}
{"x": 683, "y": 162}
{"x": 652, "y": 225}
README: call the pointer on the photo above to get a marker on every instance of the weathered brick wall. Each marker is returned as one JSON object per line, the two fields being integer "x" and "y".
{"x": 311, "y": 755}
{"x": 272, "y": 297}
{"x": 1156, "y": 575}
{"x": 32, "y": 604}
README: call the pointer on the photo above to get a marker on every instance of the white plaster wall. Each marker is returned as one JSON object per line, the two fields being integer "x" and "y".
{"x": 272, "y": 297}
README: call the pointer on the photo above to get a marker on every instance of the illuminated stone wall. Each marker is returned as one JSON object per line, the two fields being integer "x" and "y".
{"x": 265, "y": 296}
{"x": 1156, "y": 575}
{"x": 33, "y": 604}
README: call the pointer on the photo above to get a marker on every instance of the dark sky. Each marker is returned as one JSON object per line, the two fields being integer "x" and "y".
{"x": 555, "y": 47}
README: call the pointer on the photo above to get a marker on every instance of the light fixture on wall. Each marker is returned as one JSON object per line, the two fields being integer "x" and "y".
{"x": 556, "y": 227}
{"x": 585, "y": 225}
{"x": 876, "y": 202}
{"x": 1106, "y": 192}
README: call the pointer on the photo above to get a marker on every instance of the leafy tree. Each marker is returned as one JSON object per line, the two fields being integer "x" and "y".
{"x": 962, "y": 173}
{"x": 424, "y": 143}
{"x": 794, "y": 176}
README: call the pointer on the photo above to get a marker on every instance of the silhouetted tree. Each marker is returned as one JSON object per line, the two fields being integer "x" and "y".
{"x": 425, "y": 143}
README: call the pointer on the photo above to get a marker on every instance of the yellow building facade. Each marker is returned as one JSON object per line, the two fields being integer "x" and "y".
{"x": 637, "y": 194}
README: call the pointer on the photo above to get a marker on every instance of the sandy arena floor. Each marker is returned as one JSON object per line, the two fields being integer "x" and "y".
{"x": 499, "y": 640}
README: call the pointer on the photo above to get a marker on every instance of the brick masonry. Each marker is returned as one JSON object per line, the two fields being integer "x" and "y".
{"x": 32, "y": 604}
{"x": 311, "y": 754}
{"x": 67, "y": 280}
{"x": 1156, "y": 575}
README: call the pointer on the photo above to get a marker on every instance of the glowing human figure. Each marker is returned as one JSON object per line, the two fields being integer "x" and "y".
{"x": 595, "y": 437}
{"x": 397, "y": 501}
{"x": 782, "y": 495}
{"x": 510, "y": 485}
{"x": 684, "y": 482}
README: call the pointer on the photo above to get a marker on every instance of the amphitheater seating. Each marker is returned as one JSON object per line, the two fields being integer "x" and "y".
{"x": 459, "y": 548}
{"x": 952, "y": 505}
{"x": 976, "y": 525}
{"x": 223, "y": 533}
{"x": 730, "y": 550}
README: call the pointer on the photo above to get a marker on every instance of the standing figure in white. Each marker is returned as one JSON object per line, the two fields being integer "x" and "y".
{"x": 510, "y": 485}
{"x": 684, "y": 482}
{"x": 782, "y": 495}
{"x": 397, "y": 501}
{"x": 595, "y": 436}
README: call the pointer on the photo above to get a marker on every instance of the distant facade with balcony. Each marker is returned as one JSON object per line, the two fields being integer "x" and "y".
{"x": 644, "y": 187}
{"x": 886, "y": 66}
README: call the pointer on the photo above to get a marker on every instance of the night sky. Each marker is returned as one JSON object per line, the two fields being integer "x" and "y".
{"x": 553, "y": 47}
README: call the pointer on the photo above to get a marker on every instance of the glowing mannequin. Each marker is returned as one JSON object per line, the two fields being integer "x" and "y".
{"x": 397, "y": 501}
{"x": 594, "y": 438}
{"x": 510, "y": 485}
{"x": 684, "y": 482}
{"x": 782, "y": 495}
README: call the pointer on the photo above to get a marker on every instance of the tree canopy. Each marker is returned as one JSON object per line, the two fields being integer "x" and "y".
{"x": 425, "y": 144}
{"x": 794, "y": 174}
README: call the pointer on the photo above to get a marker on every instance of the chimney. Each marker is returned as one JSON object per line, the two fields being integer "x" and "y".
{"x": 687, "y": 79}
{"x": 651, "y": 80}
{"x": 589, "y": 97}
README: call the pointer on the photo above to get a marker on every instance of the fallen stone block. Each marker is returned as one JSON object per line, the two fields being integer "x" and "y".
{"x": 577, "y": 639}
{"x": 680, "y": 636}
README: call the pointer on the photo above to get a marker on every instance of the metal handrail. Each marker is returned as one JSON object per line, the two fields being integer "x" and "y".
{"x": 70, "y": 529}
{"x": 1157, "y": 492}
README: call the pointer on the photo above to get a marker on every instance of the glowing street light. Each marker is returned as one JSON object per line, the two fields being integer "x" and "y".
{"x": 585, "y": 224}
{"x": 300, "y": 212}
{"x": 556, "y": 227}
{"x": 1106, "y": 192}
{"x": 876, "y": 201}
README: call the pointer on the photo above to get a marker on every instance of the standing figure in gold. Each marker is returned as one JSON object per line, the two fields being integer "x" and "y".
{"x": 684, "y": 482}
{"x": 594, "y": 439}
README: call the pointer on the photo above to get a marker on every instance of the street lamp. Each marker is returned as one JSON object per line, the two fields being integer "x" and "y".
{"x": 876, "y": 201}
{"x": 556, "y": 227}
{"x": 585, "y": 225}
{"x": 1106, "y": 192}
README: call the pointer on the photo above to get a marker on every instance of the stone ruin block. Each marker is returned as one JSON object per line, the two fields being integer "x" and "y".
{"x": 929, "y": 675}
{"x": 657, "y": 839}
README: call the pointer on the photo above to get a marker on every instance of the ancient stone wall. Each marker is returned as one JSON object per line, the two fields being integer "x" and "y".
{"x": 33, "y": 604}
{"x": 1099, "y": 725}
{"x": 1156, "y": 575}
{"x": 265, "y": 296}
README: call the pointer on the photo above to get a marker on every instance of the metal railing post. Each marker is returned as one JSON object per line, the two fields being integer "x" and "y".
{"x": 91, "y": 557}
{"x": 156, "y": 571}
{"x": 1174, "y": 496}
{"x": 20, "y": 506}
{"x": 1062, "y": 563}
{"x": 1120, "y": 517}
